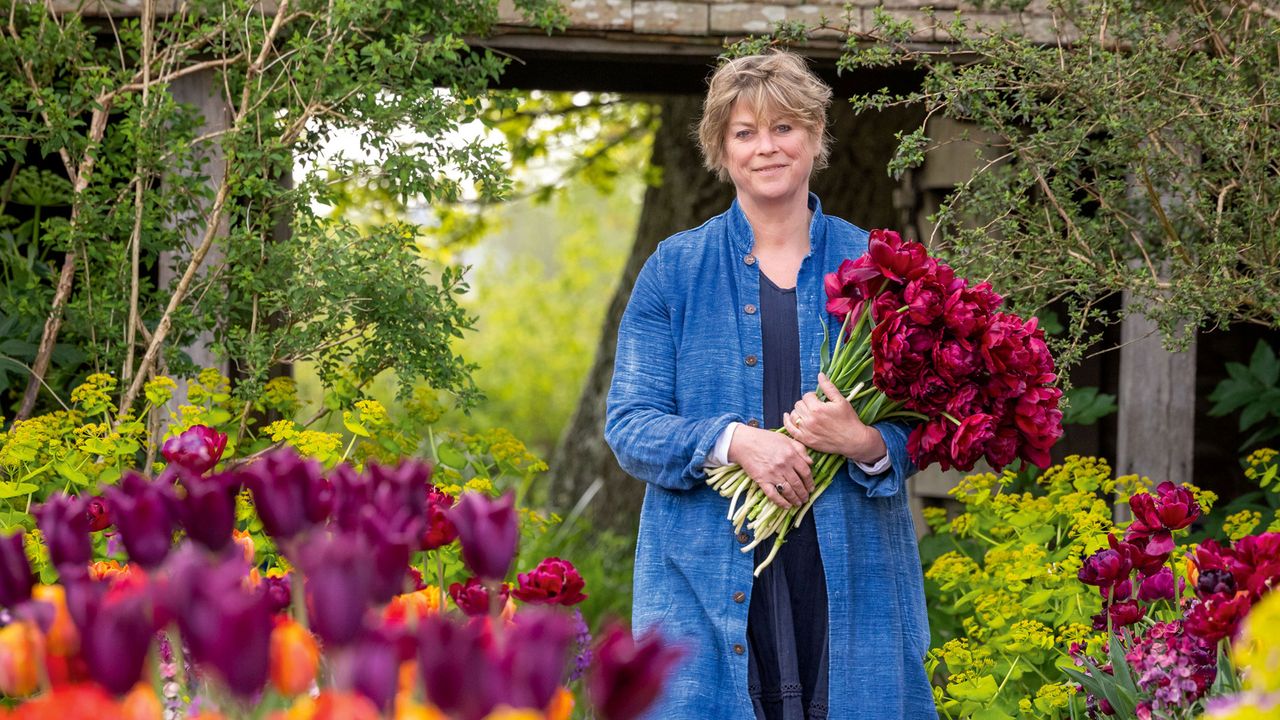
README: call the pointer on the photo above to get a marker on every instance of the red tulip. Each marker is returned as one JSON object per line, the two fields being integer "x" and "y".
{"x": 1217, "y": 616}
{"x": 553, "y": 582}
{"x": 1105, "y": 569}
{"x": 99, "y": 517}
{"x": 196, "y": 450}
{"x": 473, "y": 597}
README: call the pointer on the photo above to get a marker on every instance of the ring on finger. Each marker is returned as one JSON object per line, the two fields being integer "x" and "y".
{"x": 779, "y": 487}
{"x": 797, "y": 419}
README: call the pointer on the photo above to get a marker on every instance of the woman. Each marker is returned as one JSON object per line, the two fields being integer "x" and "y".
{"x": 718, "y": 342}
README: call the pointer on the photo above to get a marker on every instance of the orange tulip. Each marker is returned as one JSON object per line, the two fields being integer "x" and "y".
{"x": 142, "y": 704}
{"x": 507, "y": 713}
{"x": 63, "y": 638}
{"x": 409, "y": 608}
{"x": 245, "y": 541}
{"x": 345, "y": 706}
{"x": 295, "y": 656}
{"x": 82, "y": 700}
{"x": 21, "y": 654}
{"x": 561, "y": 706}
{"x": 410, "y": 710}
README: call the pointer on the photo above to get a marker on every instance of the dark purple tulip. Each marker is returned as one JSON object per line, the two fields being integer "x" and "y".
{"x": 206, "y": 507}
{"x": 99, "y": 517}
{"x": 390, "y": 548}
{"x": 115, "y": 635}
{"x": 376, "y": 667}
{"x": 141, "y": 513}
{"x": 16, "y": 579}
{"x": 279, "y": 589}
{"x": 403, "y": 486}
{"x": 281, "y": 482}
{"x": 65, "y": 524}
{"x": 536, "y": 653}
{"x": 196, "y": 450}
{"x": 1157, "y": 587}
{"x": 1215, "y": 581}
{"x": 337, "y": 580}
{"x": 627, "y": 676}
{"x": 488, "y": 531}
{"x": 461, "y": 678}
{"x": 1105, "y": 568}
{"x": 351, "y": 494}
{"x": 227, "y": 626}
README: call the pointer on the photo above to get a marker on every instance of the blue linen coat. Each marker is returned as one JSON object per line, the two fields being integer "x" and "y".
{"x": 688, "y": 364}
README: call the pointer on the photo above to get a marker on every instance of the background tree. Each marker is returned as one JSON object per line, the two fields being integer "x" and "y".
{"x": 135, "y": 179}
{"x": 1138, "y": 154}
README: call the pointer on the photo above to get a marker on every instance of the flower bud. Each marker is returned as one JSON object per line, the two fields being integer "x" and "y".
{"x": 21, "y": 651}
{"x": 295, "y": 656}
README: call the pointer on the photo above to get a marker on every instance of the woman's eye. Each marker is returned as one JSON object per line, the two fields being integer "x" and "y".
{"x": 783, "y": 128}
{"x": 742, "y": 134}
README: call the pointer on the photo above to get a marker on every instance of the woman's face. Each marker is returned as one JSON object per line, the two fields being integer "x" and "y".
{"x": 768, "y": 162}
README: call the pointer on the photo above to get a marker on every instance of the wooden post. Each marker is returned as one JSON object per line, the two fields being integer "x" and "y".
{"x": 202, "y": 91}
{"x": 1157, "y": 397}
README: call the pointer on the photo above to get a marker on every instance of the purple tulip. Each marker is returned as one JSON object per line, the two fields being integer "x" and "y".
{"x": 65, "y": 524}
{"x": 402, "y": 486}
{"x": 281, "y": 483}
{"x": 376, "y": 667}
{"x": 488, "y": 532}
{"x": 16, "y": 579}
{"x": 535, "y": 657}
{"x": 196, "y": 450}
{"x": 206, "y": 507}
{"x": 627, "y": 676}
{"x": 1214, "y": 581}
{"x": 279, "y": 589}
{"x": 227, "y": 626}
{"x": 115, "y": 632}
{"x": 1157, "y": 587}
{"x": 141, "y": 513}
{"x": 391, "y": 542}
{"x": 352, "y": 493}
{"x": 336, "y": 568}
{"x": 459, "y": 675}
{"x": 1105, "y": 568}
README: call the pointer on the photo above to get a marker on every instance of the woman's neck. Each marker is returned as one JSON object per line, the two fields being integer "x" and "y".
{"x": 778, "y": 225}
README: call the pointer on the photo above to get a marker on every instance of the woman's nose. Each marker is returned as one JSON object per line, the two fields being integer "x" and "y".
{"x": 766, "y": 144}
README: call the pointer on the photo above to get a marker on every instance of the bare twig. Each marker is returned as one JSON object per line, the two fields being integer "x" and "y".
{"x": 135, "y": 238}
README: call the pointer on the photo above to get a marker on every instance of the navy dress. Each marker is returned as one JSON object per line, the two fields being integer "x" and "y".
{"x": 787, "y": 620}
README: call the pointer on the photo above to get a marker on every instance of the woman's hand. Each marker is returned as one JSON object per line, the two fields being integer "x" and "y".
{"x": 777, "y": 463}
{"x": 833, "y": 426}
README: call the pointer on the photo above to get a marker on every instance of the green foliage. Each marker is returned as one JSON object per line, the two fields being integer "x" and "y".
{"x": 1135, "y": 154}
{"x": 283, "y": 282}
{"x": 1008, "y": 587}
{"x": 1254, "y": 390}
{"x": 1086, "y": 406}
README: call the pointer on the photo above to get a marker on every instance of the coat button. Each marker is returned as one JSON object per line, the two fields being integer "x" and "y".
{"x": 749, "y": 309}
{"x": 738, "y": 649}
{"x": 749, "y": 259}
{"x": 739, "y": 597}
{"x": 753, "y": 423}
{"x": 743, "y": 538}
{"x": 751, "y": 361}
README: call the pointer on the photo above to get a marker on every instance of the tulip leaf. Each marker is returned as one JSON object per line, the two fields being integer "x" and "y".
{"x": 16, "y": 489}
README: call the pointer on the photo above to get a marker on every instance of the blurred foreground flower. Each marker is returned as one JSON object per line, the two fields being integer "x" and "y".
{"x": 488, "y": 532}
{"x": 627, "y": 675}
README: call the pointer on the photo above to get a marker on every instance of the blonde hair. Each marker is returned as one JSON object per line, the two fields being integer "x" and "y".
{"x": 777, "y": 84}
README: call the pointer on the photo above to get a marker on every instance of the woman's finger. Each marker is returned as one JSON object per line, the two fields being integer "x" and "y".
{"x": 830, "y": 390}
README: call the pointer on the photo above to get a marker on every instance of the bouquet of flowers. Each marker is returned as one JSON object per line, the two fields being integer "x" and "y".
{"x": 917, "y": 342}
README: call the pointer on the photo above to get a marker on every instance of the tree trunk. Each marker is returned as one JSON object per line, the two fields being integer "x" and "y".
{"x": 854, "y": 187}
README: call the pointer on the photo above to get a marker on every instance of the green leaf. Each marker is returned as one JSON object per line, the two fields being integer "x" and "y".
{"x": 1264, "y": 364}
{"x": 450, "y": 456}
{"x": 1086, "y": 406}
{"x": 16, "y": 489}
{"x": 71, "y": 473}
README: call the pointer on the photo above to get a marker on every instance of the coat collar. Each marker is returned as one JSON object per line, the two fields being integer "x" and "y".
{"x": 743, "y": 238}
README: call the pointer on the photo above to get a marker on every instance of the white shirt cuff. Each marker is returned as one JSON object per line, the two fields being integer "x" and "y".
{"x": 875, "y": 468}
{"x": 719, "y": 455}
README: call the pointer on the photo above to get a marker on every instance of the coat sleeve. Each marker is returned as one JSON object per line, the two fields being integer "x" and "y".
{"x": 651, "y": 441}
{"x": 894, "y": 479}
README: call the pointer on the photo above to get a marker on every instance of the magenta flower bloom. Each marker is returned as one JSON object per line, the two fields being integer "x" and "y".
{"x": 116, "y": 636}
{"x": 141, "y": 512}
{"x": 282, "y": 484}
{"x": 99, "y": 517}
{"x": 1105, "y": 568}
{"x": 1217, "y": 616}
{"x": 440, "y": 531}
{"x": 206, "y": 507}
{"x": 196, "y": 450}
{"x": 553, "y": 582}
{"x": 1122, "y": 614}
{"x": 488, "y": 532}
{"x": 460, "y": 676}
{"x": 1157, "y": 587}
{"x": 472, "y": 598}
{"x": 16, "y": 579}
{"x": 627, "y": 676}
{"x": 1155, "y": 517}
{"x": 337, "y": 580}
{"x": 376, "y": 667}
{"x": 535, "y": 655}
{"x": 65, "y": 524}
